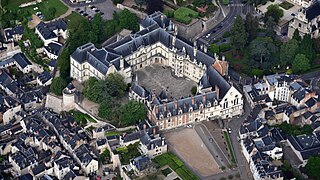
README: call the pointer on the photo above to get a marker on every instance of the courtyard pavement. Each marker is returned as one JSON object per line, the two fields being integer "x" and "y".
{"x": 158, "y": 78}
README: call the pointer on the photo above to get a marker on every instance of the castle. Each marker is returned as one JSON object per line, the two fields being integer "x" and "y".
{"x": 157, "y": 43}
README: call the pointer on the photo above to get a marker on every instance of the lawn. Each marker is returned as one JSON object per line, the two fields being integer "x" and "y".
{"x": 185, "y": 15}
{"x": 225, "y": 2}
{"x": 74, "y": 17}
{"x": 176, "y": 165}
{"x": 113, "y": 133}
{"x": 230, "y": 148}
{"x": 44, "y": 7}
{"x": 286, "y": 5}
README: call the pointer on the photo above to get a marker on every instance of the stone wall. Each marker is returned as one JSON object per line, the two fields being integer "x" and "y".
{"x": 54, "y": 102}
{"x": 139, "y": 14}
{"x": 191, "y": 30}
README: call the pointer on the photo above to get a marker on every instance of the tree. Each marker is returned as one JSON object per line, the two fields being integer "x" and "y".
{"x": 313, "y": 167}
{"x": 154, "y": 5}
{"x": 274, "y": 11}
{"x": 288, "y": 51}
{"x": 97, "y": 27}
{"x": 238, "y": 35}
{"x": 106, "y": 110}
{"x": 262, "y": 49}
{"x": 301, "y": 63}
{"x": 194, "y": 90}
{"x": 252, "y": 25}
{"x": 306, "y": 47}
{"x": 51, "y": 12}
{"x": 115, "y": 2}
{"x": 128, "y": 20}
{"x": 296, "y": 35}
{"x": 214, "y": 48}
{"x": 316, "y": 44}
{"x": 270, "y": 26}
{"x": 131, "y": 113}
{"x": 57, "y": 86}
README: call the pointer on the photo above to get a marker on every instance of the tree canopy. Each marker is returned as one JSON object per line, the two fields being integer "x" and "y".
{"x": 57, "y": 86}
{"x": 274, "y": 11}
{"x": 296, "y": 35}
{"x": 313, "y": 167}
{"x": 301, "y": 63}
{"x": 306, "y": 47}
{"x": 238, "y": 34}
{"x": 252, "y": 25}
{"x": 154, "y": 5}
{"x": 262, "y": 49}
{"x": 288, "y": 52}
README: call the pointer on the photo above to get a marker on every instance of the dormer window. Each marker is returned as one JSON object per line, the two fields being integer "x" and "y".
{"x": 180, "y": 111}
{"x": 201, "y": 106}
{"x": 169, "y": 114}
{"x": 209, "y": 104}
{"x": 190, "y": 109}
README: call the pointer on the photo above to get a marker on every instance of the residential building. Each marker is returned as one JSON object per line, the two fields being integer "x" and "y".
{"x": 50, "y": 32}
{"x": 13, "y": 34}
{"x": 306, "y": 21}
{"x": 52, "y": 50}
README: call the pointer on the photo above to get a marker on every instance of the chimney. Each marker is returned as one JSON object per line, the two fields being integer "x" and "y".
{"x": 154, "y": 130}
{"x": 192, "y": 100}
{"x": 121, "y": 63}
{"x": 173, "y": 40}
{"x": 156, "y": 109}
{"x": 175, "y": 104}
{"x": 162, "y": 142}
{"x": 195, "y": 49}
{"x": 164, "y": 106}
{"x": 223, "y": 58}
{"x": 204, "y": 98}
{"x": 144, "y": 126}
{"x": 205, "y": 49}
{"x": 217, "y": 91}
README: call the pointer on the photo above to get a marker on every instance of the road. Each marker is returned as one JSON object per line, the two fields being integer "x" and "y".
{"x": 236, "y": 8}
{"x": 234, "y": 124}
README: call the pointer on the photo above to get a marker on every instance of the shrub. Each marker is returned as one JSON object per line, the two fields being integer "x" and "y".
{"x": 230, "y": 176}
{"x": 224, "y": 47}
{"x": 226, "y": 34}
{"x": 115, "y": 2}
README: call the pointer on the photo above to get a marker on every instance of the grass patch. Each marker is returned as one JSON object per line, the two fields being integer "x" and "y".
{"x": 286, "y": 5}
{"x": 166, "y": 171}
{"x": 74, "y": 17}
{"x": 295, "y": 130}
{"x": 230, "y": 148}
{"x": 175, "y": 164}
{"x": 185, "y": 15}
{"x": 44, "y": 7}
{"x": 113, "y": 133}
{"x": 225, "y": 2}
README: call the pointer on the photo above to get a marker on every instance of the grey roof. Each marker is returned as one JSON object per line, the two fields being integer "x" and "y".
{"x": 38, "y": 169}
{"x": 307, "y": 145}
{"x": 84, "y": 154}
{"x": 311, "y": 102}
{"x": 184, "y": 105}
{"x": 46, "y": 29}
{"x": 70, "y": 175}
{"x": 53, "y": 48}
{"x": 139, "y": 90}
{"x": 313, "y": 11}
{"x": 44, "y": 77}
{"x": 141, "y": 162}
{"x": 13, "y": 31}
{"x": 22, "y": 60}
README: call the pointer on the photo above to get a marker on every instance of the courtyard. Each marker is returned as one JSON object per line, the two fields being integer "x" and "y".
{"x": 158, "y": 78}
{"x": 188, "y": 146}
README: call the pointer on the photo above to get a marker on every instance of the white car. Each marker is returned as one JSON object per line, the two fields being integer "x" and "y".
{"x": 38, "y": 13}
{"x": 189, "y": 126}
{"x": 36, "y": 8}
{"x": 229, "y": 130}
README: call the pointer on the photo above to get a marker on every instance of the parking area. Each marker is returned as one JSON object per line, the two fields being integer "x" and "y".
{"x": 105, "y": 7}
{"x": 187, "y": 144}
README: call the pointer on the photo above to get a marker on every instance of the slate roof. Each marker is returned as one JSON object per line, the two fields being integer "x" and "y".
{"x": 22, "y": 60}
{"x": 313, "y": 11}
{"x": 142, "y": 92}
{"x": 13, "y": 31}
{"x": 307, "y": 145}
{"x": 38, "y": 169}
{"x": 46, "y": 29}
{"x": 311, "y": 102}
{"x": 70, "y": 175}
{"x": 141, "y": 162}
{"x": 44, "y": 77}
{"x": 53, "y": 48}
{"x": 84, "y": 154}
{"x": 186, "y": 104}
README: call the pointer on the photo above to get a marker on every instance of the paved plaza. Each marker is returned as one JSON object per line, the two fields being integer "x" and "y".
{"x": 158, "y": 78}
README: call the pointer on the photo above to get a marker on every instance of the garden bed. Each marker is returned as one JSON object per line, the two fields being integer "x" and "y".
{"x": 286, "y": 5}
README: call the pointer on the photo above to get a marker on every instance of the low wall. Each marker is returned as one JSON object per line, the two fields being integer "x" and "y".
{"x": 140, "y": 15}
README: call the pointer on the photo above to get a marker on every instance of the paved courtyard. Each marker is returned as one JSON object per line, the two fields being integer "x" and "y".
{"x": 187, "y": 144}
{"x": 158, "y": 78}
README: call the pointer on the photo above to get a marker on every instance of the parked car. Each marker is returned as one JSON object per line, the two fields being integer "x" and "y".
{"x": 36, "y": 8}
{"x": 229, "y": 130}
